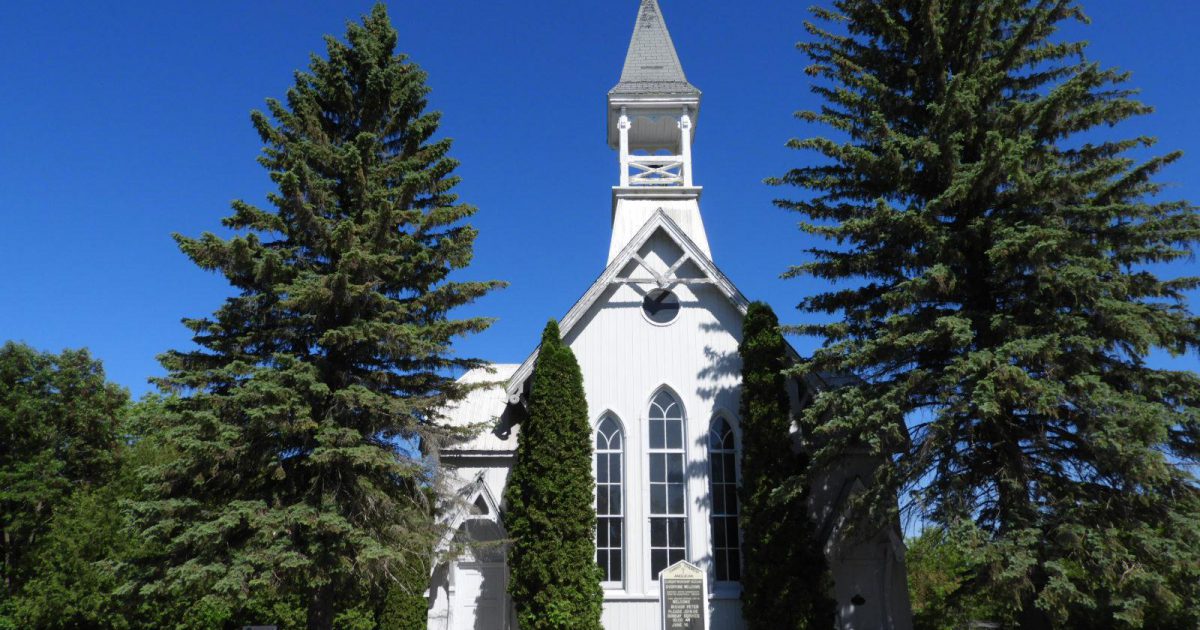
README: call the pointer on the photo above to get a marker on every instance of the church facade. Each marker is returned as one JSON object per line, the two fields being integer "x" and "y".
{"x": 656, "y": 336}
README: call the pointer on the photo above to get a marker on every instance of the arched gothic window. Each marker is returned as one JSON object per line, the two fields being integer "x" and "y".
{"x": 610, "y": 504}
{"x": 722, "y": 476}
{"x": 668, "y": 511}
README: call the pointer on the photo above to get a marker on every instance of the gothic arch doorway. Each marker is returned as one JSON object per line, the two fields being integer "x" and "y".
{"x": 479, "y": 579}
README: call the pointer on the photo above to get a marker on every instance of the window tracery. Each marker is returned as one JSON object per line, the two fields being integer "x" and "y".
{"x": 668, "y": 503}
{"x": 723, "y": 487}
{"x": 610, "y": 503}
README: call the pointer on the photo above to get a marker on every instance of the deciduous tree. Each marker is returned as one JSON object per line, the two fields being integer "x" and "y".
{"x": 59, "y": 422}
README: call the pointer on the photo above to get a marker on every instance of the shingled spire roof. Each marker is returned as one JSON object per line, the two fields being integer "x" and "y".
{"x": 651, "y": 66}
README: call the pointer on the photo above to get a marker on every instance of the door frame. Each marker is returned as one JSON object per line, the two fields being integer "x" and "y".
{"x": 506, "y": 622}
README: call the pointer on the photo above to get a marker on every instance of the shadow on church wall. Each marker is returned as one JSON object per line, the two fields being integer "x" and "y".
{"x": 720, "y": 367}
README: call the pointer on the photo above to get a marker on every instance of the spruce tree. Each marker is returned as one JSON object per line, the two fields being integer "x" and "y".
{"x": 785, "y": 583}
{"x": 997, "y": 284}
{"x": 296, "y": 417}
{"x": 551, "y": 520}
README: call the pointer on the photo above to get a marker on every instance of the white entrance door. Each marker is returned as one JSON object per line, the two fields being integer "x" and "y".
{"x": 480, "y": 597}
{"x": 859, "y": 591}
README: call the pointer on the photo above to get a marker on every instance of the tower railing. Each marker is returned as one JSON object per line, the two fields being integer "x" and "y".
{"x": 656, "y": 170}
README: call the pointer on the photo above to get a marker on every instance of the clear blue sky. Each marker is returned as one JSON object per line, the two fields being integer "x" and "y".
{"x": 121, "y": 123}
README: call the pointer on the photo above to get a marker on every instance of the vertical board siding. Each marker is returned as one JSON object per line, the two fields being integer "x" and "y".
{"x": 625, "y": 359}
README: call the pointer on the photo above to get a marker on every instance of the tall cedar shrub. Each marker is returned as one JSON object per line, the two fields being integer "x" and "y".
{"x": 996, "y": 283}
{"x": 297, "y": 416}
{"x": 786, "y": 582}
{"x": 550, "y": 516}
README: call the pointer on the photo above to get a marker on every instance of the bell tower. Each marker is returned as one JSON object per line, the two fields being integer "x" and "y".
{"x": 652, "y": 116}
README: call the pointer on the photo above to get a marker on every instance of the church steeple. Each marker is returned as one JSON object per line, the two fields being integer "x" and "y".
{"x": 652, "y": 66}
{"x": 652, "y": 114}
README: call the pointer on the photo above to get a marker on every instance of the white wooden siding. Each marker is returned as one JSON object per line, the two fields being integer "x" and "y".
{"x": 625, "y": 360}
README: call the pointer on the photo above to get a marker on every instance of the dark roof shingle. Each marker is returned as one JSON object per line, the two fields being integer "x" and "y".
{"x": 651, "y": 66}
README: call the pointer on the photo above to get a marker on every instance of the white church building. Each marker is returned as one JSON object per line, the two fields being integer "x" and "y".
{"x": 656, "y": 336}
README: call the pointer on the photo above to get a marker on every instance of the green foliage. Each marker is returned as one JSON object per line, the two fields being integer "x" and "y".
{"x": 76, "y": 582}
{"x": 291, "y": 423}
{"x": 59, "y": 421}
{"x": 995, "y": 284}
{"x": 785, "y": 583}
{"x": 940, "y": 564}
{"x": 405, "y": 607}
{"x": 404, "y": 611}
{"x": 91, "y": 548}
{"x": 404, "y": 604}
{"x": 551, "y": 519}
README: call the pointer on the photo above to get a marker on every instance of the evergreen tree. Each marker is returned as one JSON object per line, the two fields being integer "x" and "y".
{"x": 294, "y": 419}
{"x": 554, "y": 579}
{"x": 59, "y": 421}
{"x": 786, "y": 582}
{"x": 996, "y": 285}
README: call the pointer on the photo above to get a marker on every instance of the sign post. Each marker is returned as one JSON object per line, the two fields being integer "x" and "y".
{"x": 683, "y": 591}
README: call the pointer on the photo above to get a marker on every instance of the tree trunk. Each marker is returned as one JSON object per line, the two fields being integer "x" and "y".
{"x": 320, "y": 608}
{"x": 8, "y": 590}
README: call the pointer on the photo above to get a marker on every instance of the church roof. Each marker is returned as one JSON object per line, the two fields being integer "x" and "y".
{"x": 484, "y": 406}
{"x": 652, "y": 67}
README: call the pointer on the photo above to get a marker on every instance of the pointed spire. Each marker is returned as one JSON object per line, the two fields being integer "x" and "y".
{"x": 651, "y": 65}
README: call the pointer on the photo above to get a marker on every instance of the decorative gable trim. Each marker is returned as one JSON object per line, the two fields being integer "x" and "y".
{"x": 477, "y": 490}
{"x": 691, "y": 253}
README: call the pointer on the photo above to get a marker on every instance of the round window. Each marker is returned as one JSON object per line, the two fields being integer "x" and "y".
{"x": 660, "y": 306}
